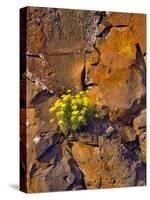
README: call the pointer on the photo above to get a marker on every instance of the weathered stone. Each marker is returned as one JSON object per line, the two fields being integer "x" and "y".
{"x": 101, "y": 28}
{"x": 86, "y": 157}
{"x": 143, "y": 144}
{"x": 53, "y": 72}
{"x": 119, "y": 19}
{"x": 117, "y": 49}
{"x": 30, "y": 125}
{"x": 55, "y": 49}
{"x": 138, "y": 24}
{"x": 139, "y": 122}
{"x": 130, "y": 134}
{"x": 65, "y": 176}
{"x": 54, "y": 29}
{"x": 110, "y": 130}
{"x": 49, "y": 138}
{"x": 120, "y": 75}
{"x": 101, "y": 140}
{"x": 94, "y": 57}
{"x": 32, "y": 90}
{"x": 62, "y": 175}
{"x": 102, "y": 168}
{"x": 38, "y": 183}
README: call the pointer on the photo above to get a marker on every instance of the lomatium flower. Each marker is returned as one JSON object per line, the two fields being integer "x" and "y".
{"x": 66, "y": 97}
{"x": 85, "y": 101}
{"x": 81, "y": 93}
{"x": 73, "y": 118}
{"x": 77, "y": 96}
{"x": 74, "y": 107}
{"x": 52, "y": 109}
{"x": 83, "y": 111}
{"x": 60, "y": 113}
{"x": 71, "y": 111}
{"x": 63, "y": 105}
{"x": 69, "y": 91}
{"x": 73, "y": 101}
{"x": 57, "y": 104}
{"x": 75, "y": 112}
{"x": 51, "y": 121}
{"x": 60, "y": 122}
{"x": 58, "y": 101}
{"x": 81, "y": 118}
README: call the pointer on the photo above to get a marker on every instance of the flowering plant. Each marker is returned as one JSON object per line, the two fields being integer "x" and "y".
{"x": 71, "y": 111}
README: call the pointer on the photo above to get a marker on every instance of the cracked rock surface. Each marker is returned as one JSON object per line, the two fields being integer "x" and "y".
{"x": 104, "y": 52}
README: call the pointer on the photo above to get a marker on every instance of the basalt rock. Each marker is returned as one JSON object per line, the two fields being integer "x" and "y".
{"x": 59, "y": 174}
{"x": 119, "y": 77}
{"x": 111, "y": 165}
{"x": 139, "y": 123}
{"x": 57, "y": 41}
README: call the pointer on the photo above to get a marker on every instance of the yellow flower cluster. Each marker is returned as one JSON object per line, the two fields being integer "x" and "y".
{"x": 71, "y": 111}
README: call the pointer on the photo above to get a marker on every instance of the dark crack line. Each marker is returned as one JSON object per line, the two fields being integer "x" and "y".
{"x": 105, "y": 32}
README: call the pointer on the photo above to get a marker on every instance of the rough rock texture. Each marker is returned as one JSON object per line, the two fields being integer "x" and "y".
{"x": 105, "y": 53}
{"x": 58, "y": 171}
{"x": 139, "y": 122}
{"x": 56, "y": 43}
{"x": 119, "y": 72}
{"x": 110, "y": 166}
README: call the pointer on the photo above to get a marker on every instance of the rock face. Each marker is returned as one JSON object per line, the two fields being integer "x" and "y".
{"x": 119, "y": 56}
{"x": 57, "y": 40}
{"x": 108, "y": 167}
{"x": 105, "y": 53}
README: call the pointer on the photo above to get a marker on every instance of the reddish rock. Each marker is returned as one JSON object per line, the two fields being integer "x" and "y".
{"x": 138, "y": 27}
{"x": 136, "y": 22}
{"x": 143, "y": 146}
{"x": 102, "y": 167}
{"x": 56, "y": 42}
{"x": 118, "y": 75}
{"x": 87, "y": 159}
{"x": 139, "y": 123}
{"x": 58, "y": 173}
{"x": 117, "y": 49}
{"x": 119, "y": 19}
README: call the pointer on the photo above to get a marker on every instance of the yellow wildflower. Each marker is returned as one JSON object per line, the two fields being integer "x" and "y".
{"x": 51, "y": 121}
{"x": 69, "y": 91}
{"x": 63, "y": 106}
{"x": 74, "y": 107}
{"x": 80, "y": 118}
{"x": 73, "y": 101}
{"x": 81, "y": 92}
{"x": 66, "y": 97}
{"x": 85, "y": 101}
{"x": 57, "y": 104}
{"x": 60, "y": 113}
{"x": 58, "y": 101}
{"x": 79, "y": 101}
{"x": 75, "y": 112}
{"x": 77, "y": 96}
{"x": 52, "y": 109}
{"x": 83, "y": 111}
{"x": 60, "y": 122}
{"x": 73, "y": 118}
{"x": 63, "y": 96}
